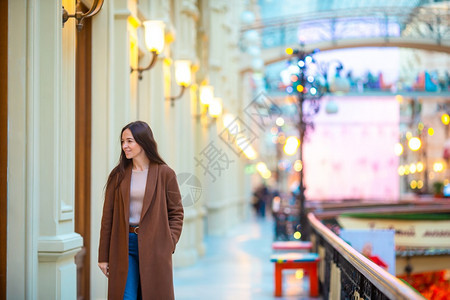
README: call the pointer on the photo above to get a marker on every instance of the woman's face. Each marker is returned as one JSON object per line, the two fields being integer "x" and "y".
{"x": 129, "y": 145}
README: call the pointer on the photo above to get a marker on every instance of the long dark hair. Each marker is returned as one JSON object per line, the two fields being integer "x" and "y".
{"x": 143, "y": 135}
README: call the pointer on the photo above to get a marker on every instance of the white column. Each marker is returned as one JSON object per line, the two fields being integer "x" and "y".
{"x": 22, "y": 229}
{"x": 186, "y": 13}
{"x": 112, "y": 109}
{"x": 41, "y": 238}
{"x": 120, "y": 108}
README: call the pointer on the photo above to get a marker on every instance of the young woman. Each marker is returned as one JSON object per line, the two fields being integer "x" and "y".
{"x": 142, "y": 220}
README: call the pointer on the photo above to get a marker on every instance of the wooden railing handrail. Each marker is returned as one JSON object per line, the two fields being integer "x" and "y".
{"x": 388, "y": 284}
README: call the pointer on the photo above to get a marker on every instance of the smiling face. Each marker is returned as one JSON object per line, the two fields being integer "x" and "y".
{"x": 130, "y": 147}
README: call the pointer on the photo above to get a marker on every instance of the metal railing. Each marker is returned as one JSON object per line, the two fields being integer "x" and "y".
{"x": 359, "y": 277}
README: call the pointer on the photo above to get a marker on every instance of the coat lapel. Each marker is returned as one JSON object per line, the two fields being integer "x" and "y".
{"x": 152, "y": 178}
{"x": 125, "y": 190}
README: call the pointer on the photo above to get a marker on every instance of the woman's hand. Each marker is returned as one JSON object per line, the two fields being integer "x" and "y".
{"x": 104, "y": 266}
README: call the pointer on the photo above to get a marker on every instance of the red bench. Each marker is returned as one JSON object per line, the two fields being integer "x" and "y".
{"x": 306, "y": 261}
{"x": 292, "y": 245}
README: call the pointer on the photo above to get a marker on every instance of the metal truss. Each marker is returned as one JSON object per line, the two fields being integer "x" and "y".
{"x": 385, "y": 26}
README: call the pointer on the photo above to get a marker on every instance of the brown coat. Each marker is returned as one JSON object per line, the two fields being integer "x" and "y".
{"x": 159, "y": 231}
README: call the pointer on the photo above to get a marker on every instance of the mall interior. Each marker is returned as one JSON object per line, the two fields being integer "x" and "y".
{"x": 310, "y": 140}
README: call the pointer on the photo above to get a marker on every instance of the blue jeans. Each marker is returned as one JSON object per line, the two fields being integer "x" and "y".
{"x": 132, "y": 288}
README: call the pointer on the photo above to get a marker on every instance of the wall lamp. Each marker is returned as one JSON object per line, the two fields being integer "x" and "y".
{"x": 79, "y": 15}
{"x": 182, "y": 77}
{"x": 154, "y": 40}
{"x": 210, "y": 105}
{"x": 215, "y": 107}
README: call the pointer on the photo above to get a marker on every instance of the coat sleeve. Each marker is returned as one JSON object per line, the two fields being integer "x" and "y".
{"x": 174, "y": 207}
{"x": 106, "y": 225}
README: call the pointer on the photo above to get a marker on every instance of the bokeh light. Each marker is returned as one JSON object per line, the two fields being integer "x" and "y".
{"x": 279, "y": 121}
{"x": 445, "y": 118}
{"x": 438, "y": 166}
{"x": 414, "y": 143}
{"x": 419, "y": 184}
{"x": 291, "y": 146}
{"x": 419, "y": 167}
{"x": 298, "y": 166}
{"x": 398, "y": 149}
{"x": 401, "y": 170}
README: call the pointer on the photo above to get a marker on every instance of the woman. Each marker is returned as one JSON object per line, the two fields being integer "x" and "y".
{"x": 142, "y": 220}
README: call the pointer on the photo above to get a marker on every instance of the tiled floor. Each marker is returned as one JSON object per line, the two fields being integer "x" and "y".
{"x": 237, "y": 267}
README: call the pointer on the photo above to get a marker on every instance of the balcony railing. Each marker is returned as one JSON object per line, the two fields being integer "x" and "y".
{"x": 345, "y": 273}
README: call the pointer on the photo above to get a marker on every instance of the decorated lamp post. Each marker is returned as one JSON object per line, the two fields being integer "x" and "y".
{"x": 310, "y": 82}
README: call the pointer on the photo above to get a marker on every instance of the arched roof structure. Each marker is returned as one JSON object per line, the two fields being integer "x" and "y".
{"x": 351, "y": 24}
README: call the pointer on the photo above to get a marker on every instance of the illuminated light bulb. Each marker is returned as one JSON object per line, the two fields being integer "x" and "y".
{"x": 183, "y": 72}
{"x": 408, "y": 135}
{"x": 419, "y": 184}
{"x": 310, "y": 79}
{"x": 298, "y": 166}
{"x": 154, "y": 35}
{"x": 206, "y": 94}
{"x": 438, "y": 167}
{"x": 413, "y": 184}
{"x": 406, "y": 169}
{"x": 419, "y": 167}
{"x": 414, "y": 143}
{"x": 291, "y": 146}
{"x": 313, "y": 91}
{"x": 294, "y": 78}
{"x": 401, "y": 170}
{"x": 261, "y": 167}
{"x": 420, "y": 126}
{"x": 301, "y": 63}
{"x": 308, "y": 59}
{"x": 279, "y": 121}
{"x": 299, "y": 274}
{"x": 215, "y": 107}
{"x": 267, "y": 174}
{"x": 289, "y": 51}
{"x": 249, "y": 152}
{"x": 300, "y": 88}
{"x": 289, "y": 89}
{"x": 398, "y": 149}
{"x": 445, "y": 118}
{"x": 297, "y": 235}
{"x": 430, "y": 131}
{"x": 412, "y": 168}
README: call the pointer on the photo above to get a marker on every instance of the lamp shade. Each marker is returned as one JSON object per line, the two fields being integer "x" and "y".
{"x": 206, "y": 94}
{"x": 154, "y": 35}
{"x": 215, "y": 107}
{"x": 183, "y": 72}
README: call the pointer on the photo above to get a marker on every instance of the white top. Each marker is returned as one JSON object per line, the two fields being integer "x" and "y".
{"x": 137, "y": 191}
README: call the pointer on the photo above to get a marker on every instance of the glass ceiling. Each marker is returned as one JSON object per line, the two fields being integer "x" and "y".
{"x": 282, "y": 23}
{"x": 276, "y": 8}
